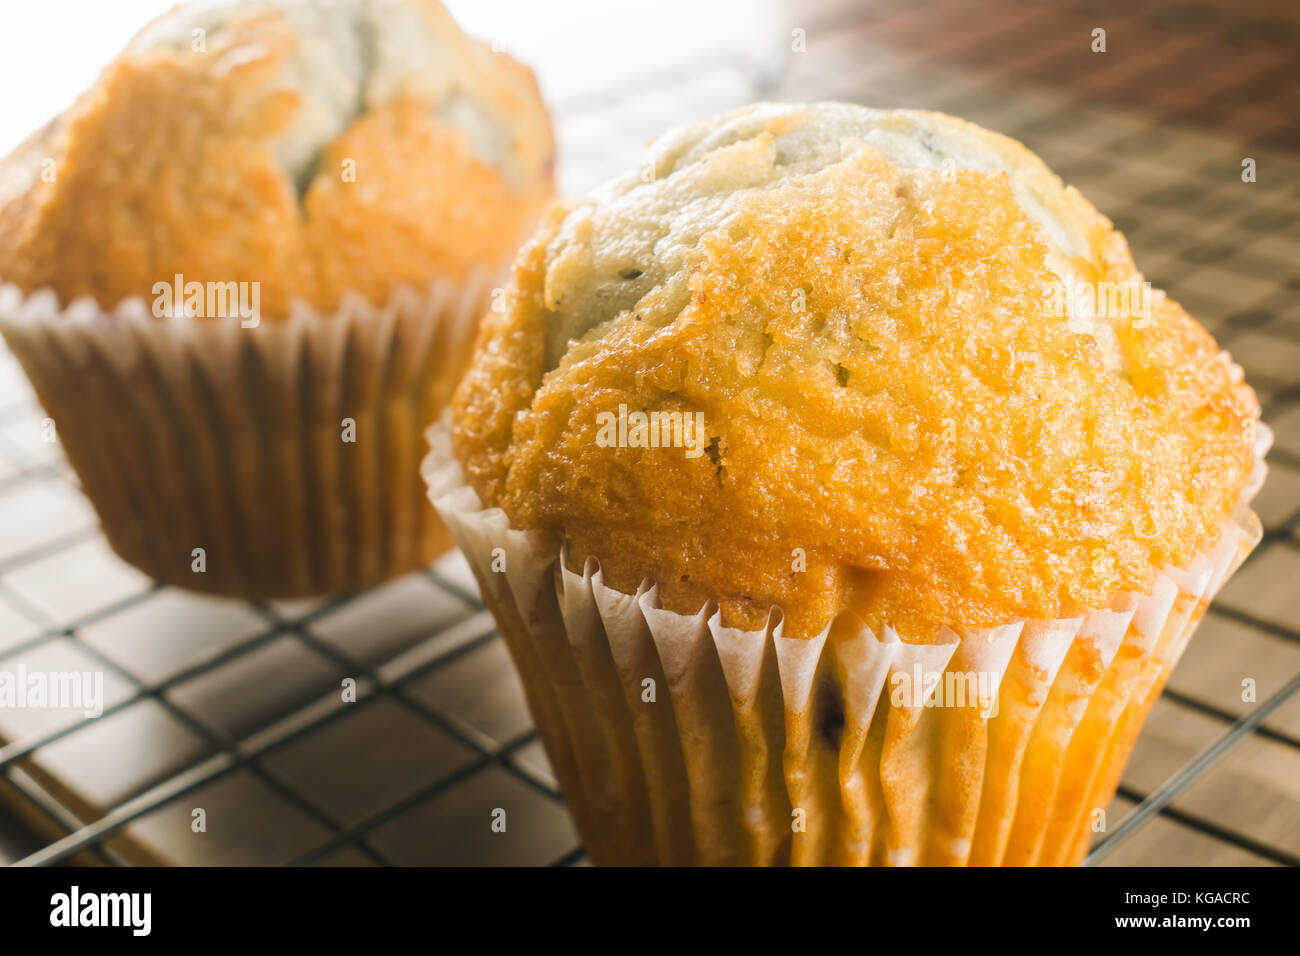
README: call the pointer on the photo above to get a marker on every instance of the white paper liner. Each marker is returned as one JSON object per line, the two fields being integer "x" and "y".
{"x": 749, "y": 727}
{"x": 193, "y": 433}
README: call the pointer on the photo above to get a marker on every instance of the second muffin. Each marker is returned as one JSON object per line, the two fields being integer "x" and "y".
{"x": 272, "y": 227}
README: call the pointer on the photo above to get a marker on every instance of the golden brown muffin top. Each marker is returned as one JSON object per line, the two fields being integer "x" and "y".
{"x": 903, "y": 415}
{"x": 314, "y": 147}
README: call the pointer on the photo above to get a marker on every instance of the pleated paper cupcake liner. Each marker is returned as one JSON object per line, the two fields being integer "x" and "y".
{"x": 277, "y": 460}
{"x": 676, "y": 740}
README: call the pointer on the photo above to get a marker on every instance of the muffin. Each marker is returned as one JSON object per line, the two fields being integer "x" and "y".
{"x": 245, "y": 270}
{"x": 844, "y": 494}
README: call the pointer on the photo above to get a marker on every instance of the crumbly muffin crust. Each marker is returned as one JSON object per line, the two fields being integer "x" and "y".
{"x": 314, "y": 149}
{"x": 902, "y": 419}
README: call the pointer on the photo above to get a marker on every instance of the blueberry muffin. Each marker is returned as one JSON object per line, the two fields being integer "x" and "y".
{"x": 271, "y": 226}
{"x": 844, "y": 493}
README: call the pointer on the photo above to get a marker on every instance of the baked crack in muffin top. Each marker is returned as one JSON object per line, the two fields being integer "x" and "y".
{"x": 314, "y": 146}
{"x": 905, "y": 416}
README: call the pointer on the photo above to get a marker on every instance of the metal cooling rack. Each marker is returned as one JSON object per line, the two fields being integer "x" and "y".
{"x": 234, "y": 707}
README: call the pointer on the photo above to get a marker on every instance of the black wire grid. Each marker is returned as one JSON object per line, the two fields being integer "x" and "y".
{"x": 235, "y": 707}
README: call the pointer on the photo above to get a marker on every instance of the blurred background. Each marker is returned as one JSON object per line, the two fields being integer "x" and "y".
{"x": 233, "y": 707}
